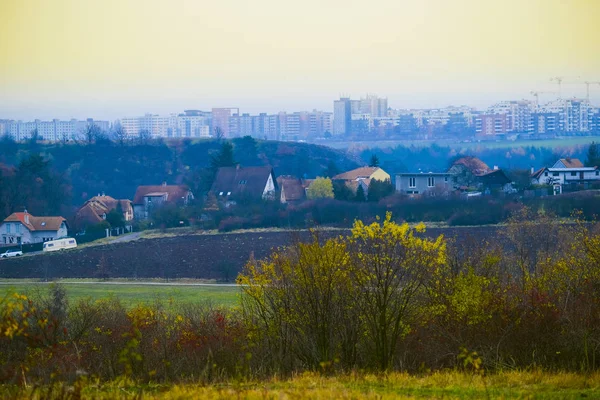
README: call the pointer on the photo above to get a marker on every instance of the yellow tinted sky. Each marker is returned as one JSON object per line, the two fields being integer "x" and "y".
{"x": 113, "y": 58}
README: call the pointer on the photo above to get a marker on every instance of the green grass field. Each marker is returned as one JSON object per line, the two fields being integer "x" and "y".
{"x": 550, "y": 143}
{"x": 438, "y": 385}
{"x": 133, "y": 294}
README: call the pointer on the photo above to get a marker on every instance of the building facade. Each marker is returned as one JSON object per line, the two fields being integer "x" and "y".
{"x": 51, "y": 131}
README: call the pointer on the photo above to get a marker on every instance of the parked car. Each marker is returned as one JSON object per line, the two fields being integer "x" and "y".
{"x": 60, "y": 244}
{"x": 11, "y": 253}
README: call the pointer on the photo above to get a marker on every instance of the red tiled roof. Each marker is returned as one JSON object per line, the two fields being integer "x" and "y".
{"x": 474, "y": 165}
{"x": 37, "y": 223}
{"x": 175, "y": 192}
{"x": 571, "y": 162}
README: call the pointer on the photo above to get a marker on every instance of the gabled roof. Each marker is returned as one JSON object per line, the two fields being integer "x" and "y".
{"x": 174, "y": 192}
{"x": 292, "y": 187}
{"x": 36, "y": 223}
{"x": 537, "y": 174}
{"x": 94, "y": 208}
{"x": 474, "y": 165}
{"x": 495, "y": 177}
{"x": 362, "y": 172}
{"x": 568, "y": 163}
{"x": 235, "y": 181}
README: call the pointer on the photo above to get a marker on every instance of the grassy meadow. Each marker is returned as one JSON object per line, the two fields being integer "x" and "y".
{"x": 132, "y": 294}
{"x": 438, "y": 385}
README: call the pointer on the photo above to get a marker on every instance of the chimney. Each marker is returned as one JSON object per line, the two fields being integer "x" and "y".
{"x": 237, "y": 166}
{"x": 164, "y": 184}
{"x": 532, "y": 170}
{"x": 495, "y": 167}
{"x": 26, "y": 217}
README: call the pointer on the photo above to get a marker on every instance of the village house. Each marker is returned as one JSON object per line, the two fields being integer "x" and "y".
{"x": 362, "y": 177}
{"x": 566, "y": 173}
{"x": 471, "y": 172}
{"x": 234, "y": 184}
{"x": 95, "y": 210}
{"x": 422, "y": 183}
{"x": 292, "y": 189}
{"x": 24, "y": 228}
{"x": 150, "y": 197}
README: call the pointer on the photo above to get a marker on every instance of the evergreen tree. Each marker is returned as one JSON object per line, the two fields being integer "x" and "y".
{"x": 593, "y": 156}
{"x": 341, "y": 191}
{"x": 360, "y": 194}
{"x": 374, "y": 161}
{"x": 380, "y": 189}
{"x": 331, "y": 170}
{"x": 224, "y": 158}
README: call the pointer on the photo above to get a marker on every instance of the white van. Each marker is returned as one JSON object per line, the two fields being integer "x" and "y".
{"x": 60, "y": 244}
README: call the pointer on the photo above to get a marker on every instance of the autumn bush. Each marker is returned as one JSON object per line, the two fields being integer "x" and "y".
{"x": 383, "y": 298}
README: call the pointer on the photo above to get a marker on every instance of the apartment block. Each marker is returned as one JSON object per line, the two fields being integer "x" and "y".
{"x": 52, "y": 131}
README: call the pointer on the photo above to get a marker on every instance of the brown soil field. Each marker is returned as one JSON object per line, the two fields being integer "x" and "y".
{"x": 219, "y": 256}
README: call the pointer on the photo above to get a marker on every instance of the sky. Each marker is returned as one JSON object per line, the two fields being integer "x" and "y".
{"x": 114, "y": 58}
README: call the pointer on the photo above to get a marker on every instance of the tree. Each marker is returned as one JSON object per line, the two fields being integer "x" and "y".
{"x": 360, "y": 194}
{"x": 320, "y": 188}
{"x": 374, "y": 162}
{"x": 391, "y": 267}
{"x": 145, "y": 136}
{"x": 219, "y": 135}
{"x": 119, "y": 134}
{"x": 246, "y": 150}
{"x": 92, "y": 133}
{"x": 115, "y": 217}
{"x": 224, "y": 158}
{"x": 331, "y": 170}
{"x": 593, "y": 156}
{"x": 380, "y": 189}
{"x": 341, "y": 191}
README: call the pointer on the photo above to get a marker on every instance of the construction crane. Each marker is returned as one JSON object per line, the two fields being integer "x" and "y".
{"x": 559, "y": 80}
{"x": 537, "y": 96}
{"x": 587, "y": 88}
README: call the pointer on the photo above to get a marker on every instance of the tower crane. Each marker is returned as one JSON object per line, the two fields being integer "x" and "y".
{"x": 536, "y": 94}
{"x": 559, "y": 80}
{"x": 587, "y": 88}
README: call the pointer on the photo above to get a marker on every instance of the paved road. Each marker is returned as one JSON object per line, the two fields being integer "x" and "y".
{"x": 127, "y": 238}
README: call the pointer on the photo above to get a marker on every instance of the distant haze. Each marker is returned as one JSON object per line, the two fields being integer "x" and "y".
{"x": 113, "y": 58}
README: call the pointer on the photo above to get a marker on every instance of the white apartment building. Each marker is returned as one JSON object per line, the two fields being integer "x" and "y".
{"x": 51, "y": 131}
{"x": 518, "y": 113}
{"x": 192, "y": 124}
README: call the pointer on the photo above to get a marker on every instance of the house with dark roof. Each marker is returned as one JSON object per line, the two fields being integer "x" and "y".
{"x": 22, "y": 228}
{"x": 98, "y": 207}
{"x": 471, "y": 172}
{"x": 566, "y": 172}
{"x": 232, "y": 184}
{"x": 292, "y": 189}
{"x": 149, "y": 197}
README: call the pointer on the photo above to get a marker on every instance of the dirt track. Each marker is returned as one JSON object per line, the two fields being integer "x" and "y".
{"x": 218, "y": 257}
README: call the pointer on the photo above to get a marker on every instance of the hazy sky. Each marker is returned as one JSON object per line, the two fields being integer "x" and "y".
{"x": 113, "y": 58}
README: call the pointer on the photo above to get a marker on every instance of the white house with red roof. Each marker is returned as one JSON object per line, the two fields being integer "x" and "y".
{"x": 22, "y": 227}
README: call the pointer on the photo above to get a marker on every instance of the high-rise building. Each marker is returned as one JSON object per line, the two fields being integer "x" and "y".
{"x": 220, "y": 119}
{"x": 52, "y": 131}
{"x": 342, "y": 116}
{"x": 491, "y": 124}
{"x": 518, "y": 114}
{"x": 577, "y": 115}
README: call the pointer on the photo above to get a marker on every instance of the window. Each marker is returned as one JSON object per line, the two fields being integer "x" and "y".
{"x": 243, "y": 182}
{"x": 445, "y": 179}
{"x": 228, "y": 193}
{"x": 555, "y": 174}
{"x": 412, "y": 182}
{"x": 18, "y": 228}
{"x": 430, "y": 181}
{"x": 546, "y": 173}
{"x": 221, "y": 194}
{"x": 597, "y": 173}
{"x": 8, "y": 228}
{"x": 573, "y": 173}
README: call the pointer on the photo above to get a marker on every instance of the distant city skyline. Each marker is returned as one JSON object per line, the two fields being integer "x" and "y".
{"x": 78, "y": 59}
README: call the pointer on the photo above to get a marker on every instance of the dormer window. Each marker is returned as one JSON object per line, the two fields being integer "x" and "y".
{"x": 243, "y": 182}
{"x": 221, "y": 194}
{"x": 103, "y": 215}
{"x": 43, "y": 224}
